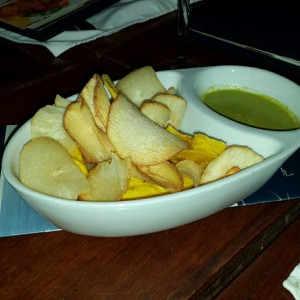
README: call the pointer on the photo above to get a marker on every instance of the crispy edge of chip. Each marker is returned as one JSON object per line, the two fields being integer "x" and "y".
{"x": 176, "y": 104}
{"x": 190, "y": 169}
{"x": 166, "y": 175}
{"x": 233, "y": 156}
{"x": 109, "y": 179}
{"x": 140, "y": 85}
{"x": 91, "y": 140}
{"x": 157, "y": 112}
{"x": 90, "y": 95}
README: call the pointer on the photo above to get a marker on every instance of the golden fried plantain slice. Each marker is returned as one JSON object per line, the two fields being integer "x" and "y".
{"x": 202, "y": 149}
{"x": 111, "y": 87}
{"x": 139, "y": 189}
{"x": 185, "y": 137}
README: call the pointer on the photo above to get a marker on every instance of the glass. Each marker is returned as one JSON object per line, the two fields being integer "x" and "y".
{"x": 182, "y": 27}
{"x": 180, "y": 60}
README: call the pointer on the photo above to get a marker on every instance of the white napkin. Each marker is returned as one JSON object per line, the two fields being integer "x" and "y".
{"x": 292, "y": 283}
{"x": 110, "y": 20}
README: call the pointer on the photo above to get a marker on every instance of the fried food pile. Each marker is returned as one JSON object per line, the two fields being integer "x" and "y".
{"x": 123, "y": 141}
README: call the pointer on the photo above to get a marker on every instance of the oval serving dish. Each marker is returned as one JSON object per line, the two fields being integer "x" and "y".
{"x": 127, "y": 218}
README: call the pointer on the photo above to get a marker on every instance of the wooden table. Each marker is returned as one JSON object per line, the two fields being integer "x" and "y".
{"x": 238, "y": 253}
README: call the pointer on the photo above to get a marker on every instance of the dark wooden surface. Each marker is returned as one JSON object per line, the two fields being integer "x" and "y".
{"x": 195, "y": 261}
{"x": 238, "y": 253}
{"x": 263, "y": 278}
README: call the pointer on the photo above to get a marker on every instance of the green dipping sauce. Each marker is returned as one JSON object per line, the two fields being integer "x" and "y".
{"x": 251, "y": 109}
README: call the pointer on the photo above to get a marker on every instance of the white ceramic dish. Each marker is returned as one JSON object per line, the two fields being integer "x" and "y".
{"x": 127, "y": 218}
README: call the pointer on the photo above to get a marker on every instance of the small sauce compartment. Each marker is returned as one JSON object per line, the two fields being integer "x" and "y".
{"x": 250, "y": 108}
{"x": 276, "y": 92}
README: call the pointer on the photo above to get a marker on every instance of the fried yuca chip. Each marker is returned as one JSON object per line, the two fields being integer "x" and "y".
{"x": 108, "y": 180}
{"x": 138, "y": 174}
{"x": 94, "y": 95}
{"x": 171, "y": 90}
{"x": 233, "y": 156}
{"x": 133, "y": 134}
{"x": 163, "y": 175}
{"x": 48, "y": 122}
{"x": 91, "y": 140}
{"x": 185, "y": 137}
{"x": 46, "y": 167}
{"x": 166, "y": 175}
{"x": 61, "y": 101}
{"x": 201, "y": 156}
{"x": 190, "y": 169}
{"x": 157, "y": 112}
{"x": 176, "y": 104}
{"x": 140, "y": 85}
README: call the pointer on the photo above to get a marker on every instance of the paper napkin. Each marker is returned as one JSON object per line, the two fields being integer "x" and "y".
{"x": 292, "y": 283}
{"x": 110, "y": 20}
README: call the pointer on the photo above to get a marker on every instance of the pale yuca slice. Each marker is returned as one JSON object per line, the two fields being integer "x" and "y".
{"x": 157, "y": 112}
{"x": 140, "y": 85}
{"x": 91, "y": 140}
{"x": 166, "y": 175}
{"x": 109, "y": 180}
{"x": 190, "y": 169}
{"x": 233, "y": 159}
{"x": 61, "y": 101}
{"x": 97, "y": 100}
{"x": 171, "y": 90}
{"x": 133, "y": 134}
{"x": 135, "y": 172}
{"x": 177, "y": 106}
{"x": 48, "y": 122}
{"x": 46, "y": 167}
